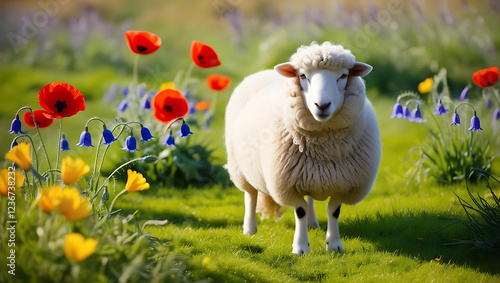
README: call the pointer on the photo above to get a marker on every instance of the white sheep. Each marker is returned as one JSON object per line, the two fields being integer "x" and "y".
{"x": 305, "y": 128}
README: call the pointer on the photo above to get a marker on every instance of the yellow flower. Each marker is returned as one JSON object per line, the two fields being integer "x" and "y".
{"x": 50, "y": 198}
{"x": 77, "y": 248}
{"x": 17, "y": 178}
{"x": 21, "y": 155}
{"x": 425, "y": 86}
{"x": 73, "y": 206}
{"x": 135, "y": 182}
{"x": 73, "y": 169}
{"x": 167, "y": 85}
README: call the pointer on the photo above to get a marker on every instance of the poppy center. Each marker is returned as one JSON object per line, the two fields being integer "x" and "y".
{"x": 168, "y": 108}
{"x": 141, "y": 48}
{"x": 60, "y": 105}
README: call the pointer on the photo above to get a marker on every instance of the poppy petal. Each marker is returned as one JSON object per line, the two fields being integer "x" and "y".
{"x": 218, "y": 82}
{"x": 486, "y": 77}
{"x": 169, "y": 104}
{"x": 61, "y": 100}
{"x": 203, "y": 55}
{"x": 41, "y": 119}
{"x": 142, "y": 42}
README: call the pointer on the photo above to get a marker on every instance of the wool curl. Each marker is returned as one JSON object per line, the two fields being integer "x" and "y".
{"x": 324, "y": 56}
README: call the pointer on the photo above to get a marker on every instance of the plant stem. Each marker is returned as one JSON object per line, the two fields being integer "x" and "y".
{"x": 188, "y": 75}
{"x": 59, "y": 145}
{"x": 116, "y": 197}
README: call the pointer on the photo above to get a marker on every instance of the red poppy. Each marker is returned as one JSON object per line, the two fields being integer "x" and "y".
{"x": 486, "y": 77}
{"x": 203, "y": 55}
{"x": 60, "y": 100}
{"x": 41, "y": 119}
{"x": 169, "y": 104}
{"x": 218, "y": 82}
{"x": 142, "y": 42}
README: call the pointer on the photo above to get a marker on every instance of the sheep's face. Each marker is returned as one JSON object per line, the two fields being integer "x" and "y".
{"x": 323, "y": 89}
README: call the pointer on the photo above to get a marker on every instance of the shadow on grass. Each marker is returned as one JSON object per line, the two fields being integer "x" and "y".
{"x": 418, "y": 235}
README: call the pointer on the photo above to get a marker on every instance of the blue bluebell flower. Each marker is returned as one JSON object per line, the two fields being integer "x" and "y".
{"x": 85, "y": 139}
{"x": 145, "y": 134}
{"x": 124, "y": 91}
{"x": 64, "y": 143}
{"x": 185, "y": 130}
{"x": 186, "y": 94}
{"x": 440, "y": 110}
{"x": 475, "y": 124}
{"x": 146, "y": 103}
{"x": 15, "y": 127}
{"x": 141, "y": 90}
{"x": 130, "y": 144}
{"x": 192, "y": 108}
{"x": 455, "y": 119}
{"x": 496, "y": 114}
{"x": 489, "y": 103}
{"x": 13, "y": 144}
{"x": 464, "y": 95}
{"x": 406, "y": 113}
{"x": 417, "y": 116}
{"x": 122, "y": 106}
{"x": 397, "y": 111}
{"x": 169, "y": 140}
{"x": 111, "y": 94}
{"x": 107, "y": 136}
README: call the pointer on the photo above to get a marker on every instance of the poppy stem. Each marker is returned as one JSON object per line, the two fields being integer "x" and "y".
{"x": 116, "y": 197}
{"x": 188, "y": 75}
{"x": 59, "y": 145}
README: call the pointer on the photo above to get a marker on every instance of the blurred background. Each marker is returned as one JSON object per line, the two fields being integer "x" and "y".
{"x": 82, "y": 43}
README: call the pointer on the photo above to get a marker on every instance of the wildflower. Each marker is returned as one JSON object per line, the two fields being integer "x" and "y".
{"x": 203, "y": 105}
{"x": 61, "y": 100}
{"x": 142, "y": 42}
{"x": 15, "y": 127}
{"x": 397, "y": 110}
{"x": 185, "y": 131}
{"x": 455, "y": 119}
{"x": 73, "y": 206}
{"x": 169, "y": 105}
{"x": 218, "y": 82}
{"x": 406, "y": 113}
{"x": 124, "y": 91}
{"x": 21, "y": 155}
{"x": 169, "y": 140}
{"x": 440, "y": 110}
{"x": 464, "y": 95}
{"x": 64, "y": 144}
{"x": 107, "y": 136}
{"x": 417, "y": 116}
{"x": 141, "y": 90}
{"x": 145, "y": 134}
{"x": 203, "y": 55}
{"x": 486, "y": 77}
{"x": 167, "y": 85}
{"x": 146, "y": 103}
{"x": 111, "y": 94}
{"x": 475, "y": 124}
{"x": 496, "y": 114}
{"x": 130, "y": 144}
{"x": 13, "y": 144}
{"x": 85, "y": 139}
{"x": 77, "y": 248}
{"x": 50, "y": 198}
{"x": 122, "y": 106}
{"x": 135, "y": 182}
{"x": 6, "y": 182}
{"x": 192, "y": 108}
{"x": 73, "y": 169}
{"x": 425, "y": 86}
{"x": 41, "y": 119}
{"x": 489, "y": 103}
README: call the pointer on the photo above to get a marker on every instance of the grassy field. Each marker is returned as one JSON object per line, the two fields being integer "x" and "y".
{"x": 400, "y": 233}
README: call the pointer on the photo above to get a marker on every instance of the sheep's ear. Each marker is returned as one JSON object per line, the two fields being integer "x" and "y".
{"x": 360, "y": 69}
{"x": 286, "y": 70}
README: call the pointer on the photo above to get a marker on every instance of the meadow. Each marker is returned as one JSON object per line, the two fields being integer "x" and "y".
{"x": 405, "y": 230}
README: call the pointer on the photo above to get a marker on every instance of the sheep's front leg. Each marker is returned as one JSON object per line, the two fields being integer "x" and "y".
{"x": 333, "y": 242}
{"x": 312, "y": 220}
{"x": 301, "y": 239}
{"x": 250, "y": 220}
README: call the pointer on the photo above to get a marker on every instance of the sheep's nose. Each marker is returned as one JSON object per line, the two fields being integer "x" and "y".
{"x": 324, "y": 106}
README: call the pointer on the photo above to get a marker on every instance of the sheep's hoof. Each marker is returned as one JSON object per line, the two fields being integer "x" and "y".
{"x": 313, "y": 225}
{"x": 301, "y": 250}
{"x": 249, "y": 231}
{"x": 334, "y": 246}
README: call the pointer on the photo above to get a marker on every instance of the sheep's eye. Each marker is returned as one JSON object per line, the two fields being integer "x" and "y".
{"x": 343, "y": 76}
{"x": 303, "y": 76}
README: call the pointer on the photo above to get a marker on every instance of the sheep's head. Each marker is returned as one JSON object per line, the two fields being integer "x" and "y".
{"x": 323, "y": 72}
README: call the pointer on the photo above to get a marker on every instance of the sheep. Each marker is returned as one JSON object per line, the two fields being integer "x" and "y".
{"x": 303, "y": 129}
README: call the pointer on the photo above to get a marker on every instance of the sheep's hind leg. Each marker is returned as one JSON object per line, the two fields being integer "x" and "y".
{"x": 312, "y": 220}
{"x": 250, "y": 220}
{"x": 333, "y": 242}
{"x": 300, "y": 238}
